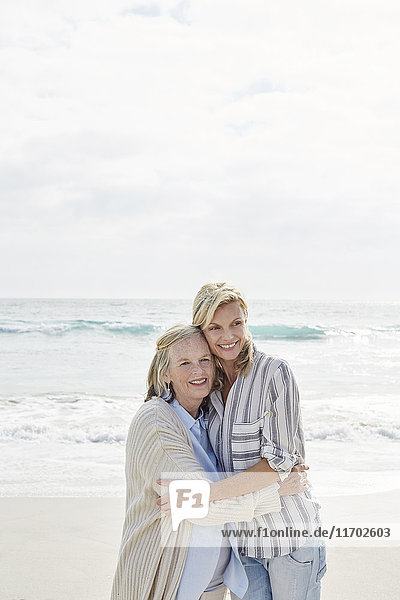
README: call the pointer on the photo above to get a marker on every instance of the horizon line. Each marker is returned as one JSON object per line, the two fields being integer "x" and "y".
{"x": 190, "y": 299}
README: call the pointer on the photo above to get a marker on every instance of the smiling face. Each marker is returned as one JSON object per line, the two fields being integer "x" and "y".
{"x": 191, "y": 371}
{"x": 227, "y": 332}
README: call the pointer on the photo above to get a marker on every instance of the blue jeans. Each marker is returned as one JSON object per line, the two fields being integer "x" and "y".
{"x": 295, "y": 576}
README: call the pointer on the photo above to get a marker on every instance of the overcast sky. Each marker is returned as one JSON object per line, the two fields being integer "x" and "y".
{"x": 148, "y": 147}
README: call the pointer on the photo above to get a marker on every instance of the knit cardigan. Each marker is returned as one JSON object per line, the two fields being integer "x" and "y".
{"x": 157, "y": 443}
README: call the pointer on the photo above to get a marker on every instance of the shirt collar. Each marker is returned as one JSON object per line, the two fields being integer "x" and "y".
{"x": 187, "y": 418}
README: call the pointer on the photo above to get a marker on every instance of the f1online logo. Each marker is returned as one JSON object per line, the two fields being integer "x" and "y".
{"x": 188, "y": 498}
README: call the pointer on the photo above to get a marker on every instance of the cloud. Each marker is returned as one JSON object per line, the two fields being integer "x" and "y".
{"x": 262, "y": 86}
{"x": 213, "y": 137}
{"x": 149, "y": 10}
{"x": 176, "y": 10}
{"x": 180, "y": 12}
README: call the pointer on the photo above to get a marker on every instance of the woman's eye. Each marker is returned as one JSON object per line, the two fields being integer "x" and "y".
{"x": 238, "y": 323}
{"x": 184, "y": 363}
{"x": 205, "y": 360}
{"x": 212, "y": 328}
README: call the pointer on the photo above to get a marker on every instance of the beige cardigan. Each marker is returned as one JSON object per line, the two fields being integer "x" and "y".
{"x": 157, "y": 443}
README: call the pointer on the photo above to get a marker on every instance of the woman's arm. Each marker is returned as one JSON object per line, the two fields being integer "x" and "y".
{"x": 252, "y": 479}
{"x": 241, "y": 508}
{"x": 283, "y": 422}
{"x": 249, "y": 506}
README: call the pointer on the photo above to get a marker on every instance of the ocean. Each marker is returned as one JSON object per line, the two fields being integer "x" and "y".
{"x": 73, "y": 374}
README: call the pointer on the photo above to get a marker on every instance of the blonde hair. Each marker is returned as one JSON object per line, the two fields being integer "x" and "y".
{"x": 156, "y": 384}
{"x": 210, "y": 297}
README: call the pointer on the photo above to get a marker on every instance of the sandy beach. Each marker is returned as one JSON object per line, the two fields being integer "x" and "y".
{"x": 66, "y": 548}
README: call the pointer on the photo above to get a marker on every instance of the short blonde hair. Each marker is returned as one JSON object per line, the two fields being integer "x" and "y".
{"x": 156, "y": 384}
{"x": 210, "y": 297}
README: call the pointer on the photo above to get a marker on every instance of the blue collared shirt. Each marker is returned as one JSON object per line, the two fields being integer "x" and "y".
{"x": 201, "y": 561}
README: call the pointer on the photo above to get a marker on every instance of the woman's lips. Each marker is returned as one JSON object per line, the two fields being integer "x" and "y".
{"x": 199, "y": 382}
{"x": 227, "y": 346}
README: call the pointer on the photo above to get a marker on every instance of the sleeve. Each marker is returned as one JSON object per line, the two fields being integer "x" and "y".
{"x": 282, "y": 422}
{"x": 266, "y": 503}
{"x": 242, "y": 508}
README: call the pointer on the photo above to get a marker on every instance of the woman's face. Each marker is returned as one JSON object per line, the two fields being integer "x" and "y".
{"x": 190, "y": 370}
{"x": 226, "y": 334}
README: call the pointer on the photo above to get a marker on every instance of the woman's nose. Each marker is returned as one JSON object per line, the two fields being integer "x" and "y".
{"x": 227, "y": 337}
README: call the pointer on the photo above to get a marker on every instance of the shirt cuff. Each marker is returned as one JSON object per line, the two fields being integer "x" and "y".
{"x": 267, "y": 500}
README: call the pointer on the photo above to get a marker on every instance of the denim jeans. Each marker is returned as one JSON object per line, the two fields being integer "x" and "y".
{"x": 295, "y": 576}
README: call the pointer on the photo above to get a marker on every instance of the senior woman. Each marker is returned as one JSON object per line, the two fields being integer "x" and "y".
{"x": 168, "y": 435}
{"x": 256, "y": 415}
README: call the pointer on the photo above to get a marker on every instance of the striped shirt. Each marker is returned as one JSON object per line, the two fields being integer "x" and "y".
{"x": 262, "y": 419}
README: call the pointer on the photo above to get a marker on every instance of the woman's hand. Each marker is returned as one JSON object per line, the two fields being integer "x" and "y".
{"x": 300, "y": 467}
{"x": 163, "y": 501}
{"x": 295, "y": 483}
